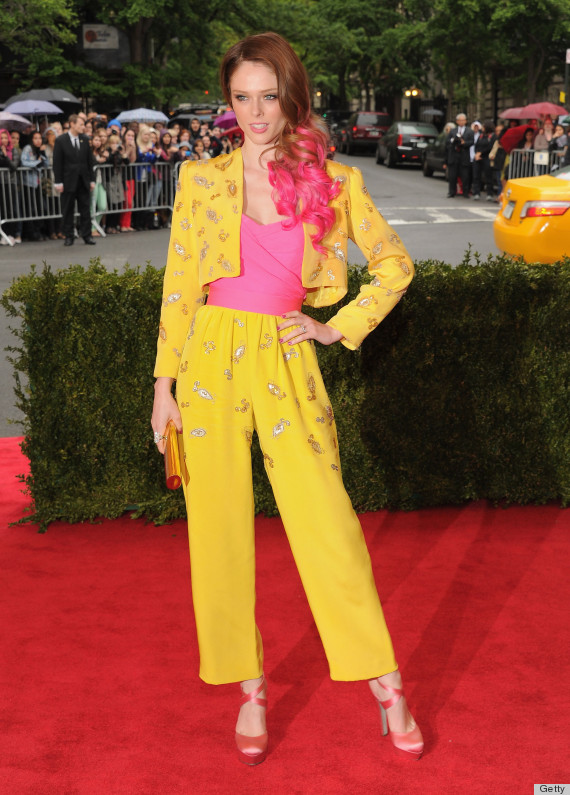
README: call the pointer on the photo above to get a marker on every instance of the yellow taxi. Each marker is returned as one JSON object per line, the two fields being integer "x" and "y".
{"x": 534, "y": 219}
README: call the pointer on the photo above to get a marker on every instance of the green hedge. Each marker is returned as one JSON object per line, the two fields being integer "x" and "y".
{"x": 462, "y": 392}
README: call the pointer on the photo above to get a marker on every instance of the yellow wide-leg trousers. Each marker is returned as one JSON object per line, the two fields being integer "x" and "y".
{"x": 235, "y": 376}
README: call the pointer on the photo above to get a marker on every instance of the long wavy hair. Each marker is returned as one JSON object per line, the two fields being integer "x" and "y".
{"x": 297, "y": 173}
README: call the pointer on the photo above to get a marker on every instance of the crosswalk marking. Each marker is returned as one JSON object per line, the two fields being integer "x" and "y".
{"x": 407, "y": 216}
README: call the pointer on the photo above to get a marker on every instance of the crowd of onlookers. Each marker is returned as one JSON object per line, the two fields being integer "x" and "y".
{"x": 476, "y": 161}
{"x": 112, "y": 144}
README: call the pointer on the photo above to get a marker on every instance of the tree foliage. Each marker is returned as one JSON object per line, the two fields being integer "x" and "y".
{"x": 348, "y": 46}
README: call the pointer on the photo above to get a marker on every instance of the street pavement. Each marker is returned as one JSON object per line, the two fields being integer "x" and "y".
{"x": 430, "y": 225}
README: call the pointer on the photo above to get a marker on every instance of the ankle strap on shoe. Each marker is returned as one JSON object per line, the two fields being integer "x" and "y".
{"x": 253, "y": 695}
{"x": 398, "y": 691}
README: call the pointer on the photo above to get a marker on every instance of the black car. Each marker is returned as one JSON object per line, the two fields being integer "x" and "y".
{"x": 434, "y": 156}
{"x": 362, "y": 131}
{"x": 405, "y": 142}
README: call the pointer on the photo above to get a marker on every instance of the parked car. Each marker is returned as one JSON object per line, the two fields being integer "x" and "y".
{"x": 362, "y": 131}
{"x": 434, "y": 156}
{"x": 405, "y": 142}
{"x": 336, "y": 121}
{"x": 534, "y": 219}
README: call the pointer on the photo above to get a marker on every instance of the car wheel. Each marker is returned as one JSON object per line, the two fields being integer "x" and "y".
{"x": 428, "y": 170}
{"x": 391, "y": 162}
{"x": 379, "y": 158}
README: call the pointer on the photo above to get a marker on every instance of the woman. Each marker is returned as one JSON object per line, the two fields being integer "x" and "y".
{"x": 558, "y": 146}
{"x": 275, "y": 216}
{"x": 114, "y": 183}
{"x": 99, "y": 194}
{"x": 147, "y": 155}
{"x": 130, "y": 152}
{"x": 51, "y": 196}
{"x": 168, "y": 151}
{"x": 34, "y": 159}
{"x": 200, "y": 151}
{"x": 8, "y": 195}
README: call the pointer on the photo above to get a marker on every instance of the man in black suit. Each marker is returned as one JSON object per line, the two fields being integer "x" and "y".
{"x": 73, "y": 164}
{"x": 458, "y": 158}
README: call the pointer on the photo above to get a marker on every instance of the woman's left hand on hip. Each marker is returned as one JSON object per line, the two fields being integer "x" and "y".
{"x": 306, "y": 328}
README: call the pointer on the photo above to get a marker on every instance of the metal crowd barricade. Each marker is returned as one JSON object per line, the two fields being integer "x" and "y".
{"x": 532, "y": 163}
{"x": 28, "y": 194}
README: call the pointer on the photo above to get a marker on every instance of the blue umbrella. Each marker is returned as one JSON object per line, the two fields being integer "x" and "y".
{"x": 145, "y": 115}
{"x": 33, "y": 107}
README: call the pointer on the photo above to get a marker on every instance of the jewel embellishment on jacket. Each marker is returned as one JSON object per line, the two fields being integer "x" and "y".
{"x": 198, "y": 432}
{"x": 203, "y": 182}
{"x": 367, "y": 301}
{"x": 180, "y": 250}
{"x": 212, "y": 215}
{"x": 267, "y": 344}
{"x": 339, "y": 253}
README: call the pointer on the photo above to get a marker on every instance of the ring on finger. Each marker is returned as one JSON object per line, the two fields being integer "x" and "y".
{"x": 304, "y": 329}
{"x": 158, "y": 437}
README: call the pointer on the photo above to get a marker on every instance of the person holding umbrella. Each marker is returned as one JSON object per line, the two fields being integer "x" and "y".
{"x": 73, "y": 166}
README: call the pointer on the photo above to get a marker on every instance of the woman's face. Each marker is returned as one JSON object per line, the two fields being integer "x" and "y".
{"x": 50, "y": 138}
{"x": 130, "y": 137}
{"x": 4, "y": 139}
{"x": 96, "y": 142}
{"x": 198, "y": 146}
{"x": 37, "y": 139}
{"x": 184, "y": 136}
{"x": 559, "y": 130}
{"x": 254, "y": 95}
{"x": 166, "y": 139}
{"x": 145, "y": 136}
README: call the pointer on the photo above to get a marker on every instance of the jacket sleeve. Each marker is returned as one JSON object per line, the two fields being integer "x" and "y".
{"x": 389, "y": 264}
{"x": 182, "y": 293}
{"x": 28, "y": 159}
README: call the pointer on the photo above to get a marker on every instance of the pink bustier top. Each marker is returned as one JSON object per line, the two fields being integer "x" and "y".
{"x": 270, "y": 279}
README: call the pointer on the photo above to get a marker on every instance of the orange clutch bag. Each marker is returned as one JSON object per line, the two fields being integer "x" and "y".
{"x": 174, "y": 463}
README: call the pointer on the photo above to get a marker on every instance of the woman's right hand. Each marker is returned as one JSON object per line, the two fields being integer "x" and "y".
{"x": 164, "y": 409}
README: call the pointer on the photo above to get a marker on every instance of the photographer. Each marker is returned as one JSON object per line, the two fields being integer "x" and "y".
{"x": 457, "y": 156}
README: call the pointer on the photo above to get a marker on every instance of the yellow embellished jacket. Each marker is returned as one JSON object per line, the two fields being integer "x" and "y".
{"x": 205, "y": 246}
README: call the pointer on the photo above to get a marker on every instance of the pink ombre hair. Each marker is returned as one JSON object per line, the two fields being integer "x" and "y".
{"x": 297, "y": 173}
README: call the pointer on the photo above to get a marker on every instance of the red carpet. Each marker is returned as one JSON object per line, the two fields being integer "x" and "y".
{"x": 98, "y": 662}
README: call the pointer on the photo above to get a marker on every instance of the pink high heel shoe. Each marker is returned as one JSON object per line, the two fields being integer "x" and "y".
{"x": 410, "y": 743}
{"x": 252, "y": 750}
